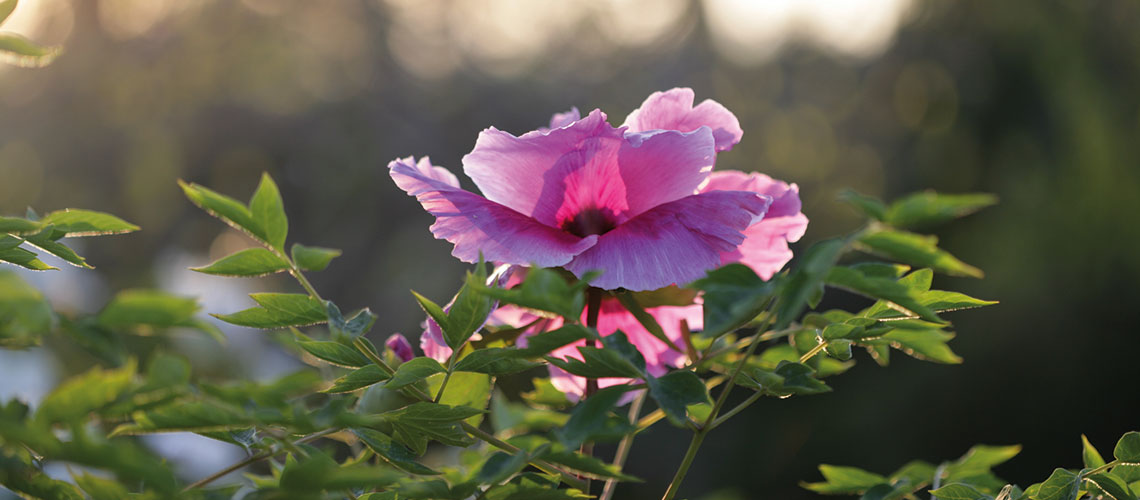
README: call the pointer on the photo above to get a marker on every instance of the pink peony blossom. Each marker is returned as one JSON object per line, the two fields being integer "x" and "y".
{"x": 587, "y": 196}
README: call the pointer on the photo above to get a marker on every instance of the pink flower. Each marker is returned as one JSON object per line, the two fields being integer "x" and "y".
{"x": 587, "y": 196}
{"x": 765, "y": 248}
{"x": 400, "y": 347}
{"x": 611, "y": 318}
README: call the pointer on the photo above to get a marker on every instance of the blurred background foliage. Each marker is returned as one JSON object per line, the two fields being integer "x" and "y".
{"x": 1035, "y": 101}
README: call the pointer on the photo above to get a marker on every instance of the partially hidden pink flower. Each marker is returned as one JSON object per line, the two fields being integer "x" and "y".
{"x": 585, "y": 195}
{"x": 612, "y": 317}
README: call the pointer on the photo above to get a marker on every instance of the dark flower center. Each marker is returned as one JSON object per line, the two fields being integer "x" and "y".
{"x": 587, "y": 222}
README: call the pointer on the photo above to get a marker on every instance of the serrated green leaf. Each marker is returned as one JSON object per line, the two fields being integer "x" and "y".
{"x": 1061, "y": 485}
{"x": 980, "y": 459}
{"x": 47, "y": 240}
{"x": 432, "y": 309}
{"x": 469, "y": 310}
{"x": 899, "y": 296}
{"x": 500, "y": 466}
{"x": 418, "y": 422}
{"x": 189, "y": 416}
{"x": 24, "y": 478}
{"x": 74, "y": 223}
{"x": 916, "y": 250}
{"x": 597, "y": 363}
{"x": 589, "y": 416}
{"x": 1128, "y": 448}
{"x": 959, "y": 491}
{"x": 412, "y": 371}
{"x": 1113, "y": 486}
{"x": 278, "y": 310}
{"x": 1090, "y": 456}
{"x": 334, "y": 352}
{"x": 545, "y": 290}
{"x": 468, "y": 389}
{"x": 545, "y": 342}
{"x": 733, "y": 296}
{"x": 19, "y": 51}
{"x": 675, "y": 391}
{"x": 844, "y": 480}
{"x": 229, "y": 210}
{"x": 313, "y": 258}
{"x": 360, "y": 378}
{"x": 246, "y": 263}
{"x": 15, "y": 225}
{"x": 495, "y": 361}
{"x": 147, "y": 307}
{"x": 76, "y": 397}
{"x": 268, "y": 210}
{"x": 928, "y": 345}
{"x": 392, "y": 452}
{"x": 646, "y": 320}
{"x": 531, "y": 487}
{"x": 319, "y": 472}
{"x": 347, "y": 330}
{"x": 929, "y": 208}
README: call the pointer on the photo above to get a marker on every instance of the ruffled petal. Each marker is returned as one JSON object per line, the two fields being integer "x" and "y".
{"x": 589, "y": 166}
{"x": 673, "y": 110}
{"x": 672, "y": 243}
{"x": 432, "y": 343}
{"x": 560, "y": 120}
{"x": 474, "y": 224}
{"x": 765, "y": 247}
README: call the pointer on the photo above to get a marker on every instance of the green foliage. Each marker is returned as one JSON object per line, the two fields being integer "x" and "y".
{"x": 250, "y": 262}
{"x": 313, "y": 258}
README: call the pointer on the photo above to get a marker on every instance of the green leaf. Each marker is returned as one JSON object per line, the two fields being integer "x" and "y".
{"x": 597, "y": 363}
{"x": 1091, "y": 457}
{"x": 1128, "y": 448}
{"x": 675, "y": 391}
{"x": 416, "y": 423}
{"x": 464, "y": 389}
{"x": 433, "y": 310}
{"x": 187, "y": 416}
{"x": 392, "y": 452}
{"x": 269, "y": 212}
{"x": 1112, "y": 485}
{"x": 74, "y": 222}
{"x": 100, "y": 488}
{"x": 871, "y": 207}
{"x": 980, "y": 459}
{"x": 495, "y": 361}
{"x": 646, "y": 320}
{"x": 590, "y": 416}
{"x": 414, "y": 370}
{"x": 358, "y": 379}
{"x": 533, "y": 487}
{"x": 348, "y": 330}
{"x": 733, "y": 296}
{"x": 85, "y": 393}
{"x": 21, "y": 477}
{"x": 1061, "y": 485}
{"x": 589, "y": 465}
{"x": 845, "y": 480}
{"x": 47, "y": 240}
{"x": 319, "y": 472}
{"x": 510, "y": 416}
{"x": 15, "y": 225}
{"x": 313, "y": 258}
{"x": 468, "y": 311}
{"x": 807, "y": 280}
{"x": 278, "y": 310}
{"x": 927, "y": 345}
{"x": 246, "y": 263}
{"x": 545, "y": 342}
{"x": 545, "y": 395}
{"x": 11, "y": 253}
{"x": 788, "y": 378}
{"x": 6, "y": 8}
{"x": 898, "y": 295}
{"x": 500, "y": 466}
{"x": 24, "y": 314}
{"x": 20, "y": 51}
{"x": 959, "y": 491}
{"x": 335, "y": 353}
{"x": 149, "y": 308}
{"x": 916, "y": 250}
{"x": 545, "y": 290}
{"x": 929, "y": 208}
{"x": 227, "y": 209}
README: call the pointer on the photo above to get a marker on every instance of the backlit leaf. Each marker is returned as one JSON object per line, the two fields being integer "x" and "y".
{"x": 313, "y": 258}
{"x": 74, "y": 222}
{"x": 246, "y": 263}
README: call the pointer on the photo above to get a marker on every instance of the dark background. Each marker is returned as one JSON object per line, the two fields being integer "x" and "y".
{"x": 1036, "y": 101}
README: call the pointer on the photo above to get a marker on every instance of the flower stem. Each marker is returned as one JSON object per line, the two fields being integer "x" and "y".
{"x": 623, "y": 447}
{"x": 257, "y": 457}
{"x": 690, "y": 454}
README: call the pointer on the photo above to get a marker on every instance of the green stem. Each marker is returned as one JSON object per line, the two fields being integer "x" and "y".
{"x": 447, "y": 376}
{"x": 686, "y": 462}
{"x": 814, "y": 350}
{"x": 623, "y": 447}
{"x": 1102, "y": 468}
{"x": 737, "y": 409}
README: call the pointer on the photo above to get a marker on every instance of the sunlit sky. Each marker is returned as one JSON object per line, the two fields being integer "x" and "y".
{"x": 433, "y": 38}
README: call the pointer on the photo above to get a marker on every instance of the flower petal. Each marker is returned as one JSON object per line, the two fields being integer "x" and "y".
{"x": 476, "y": 225}
{"x": 765, "y": 248}
{"x": 589, "y": 165}
{"x": 673, "y": 110}
{"x": 673, "y": 243}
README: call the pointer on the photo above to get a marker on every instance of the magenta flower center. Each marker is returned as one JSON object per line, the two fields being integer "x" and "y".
{"x": 589, "y": 221}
